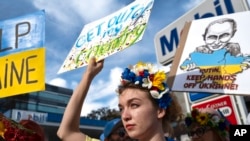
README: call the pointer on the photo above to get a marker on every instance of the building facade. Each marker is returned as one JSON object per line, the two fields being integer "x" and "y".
{"x": 47, "y": 108}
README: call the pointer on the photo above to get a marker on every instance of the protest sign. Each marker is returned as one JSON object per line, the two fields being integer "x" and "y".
{"x": 22, "y": 54}
{"x": 213, "y": 56}
{"x": 109, "y": 35}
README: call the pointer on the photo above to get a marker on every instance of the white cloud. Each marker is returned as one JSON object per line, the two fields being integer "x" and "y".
{"x": 63, "y": 12}
{"x": 192, "y": 4}
{"x": 93, "y": 10}
{"x": 58, "y": 82}
{"x": 68, "y": 18}
{"x": 73, "y": 84}
{"x": 102, "y": 90}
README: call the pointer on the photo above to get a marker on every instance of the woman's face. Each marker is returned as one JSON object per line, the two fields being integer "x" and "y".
{"x": 139, "y": 116}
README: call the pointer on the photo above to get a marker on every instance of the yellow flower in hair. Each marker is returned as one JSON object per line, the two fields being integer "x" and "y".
{"x": 138, "y": 67}
{"x": 202, "y": 118}
{"x": 158, "y": 80}
{"x": 141, "y": 66}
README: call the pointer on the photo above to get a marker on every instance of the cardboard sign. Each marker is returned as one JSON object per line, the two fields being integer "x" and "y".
{"x": 225, "y": 104}
{"x": 22, "y": 54}
{"x": 213, "y": 56}
{"x": 109, "y": 35}
{"x": 22, "y": 33}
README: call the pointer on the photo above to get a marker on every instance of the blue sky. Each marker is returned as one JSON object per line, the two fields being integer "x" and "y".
{"x": 64, "y": 22}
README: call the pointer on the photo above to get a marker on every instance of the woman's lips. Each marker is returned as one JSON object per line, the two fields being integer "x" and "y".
{"x": 129, "y": 126}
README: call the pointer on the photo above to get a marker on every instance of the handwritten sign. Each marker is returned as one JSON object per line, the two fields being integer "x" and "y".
{"x": 109, "y": 35}
{"x": 22, "y": 54}
{"x": 213, "y": 56}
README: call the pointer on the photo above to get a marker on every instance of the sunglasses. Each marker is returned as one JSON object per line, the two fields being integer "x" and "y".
{"x": 198, "y": 132}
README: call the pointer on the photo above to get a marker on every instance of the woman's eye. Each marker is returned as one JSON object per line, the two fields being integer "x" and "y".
{"x": 133, "y": 105}
{"x": 120, "y": 109}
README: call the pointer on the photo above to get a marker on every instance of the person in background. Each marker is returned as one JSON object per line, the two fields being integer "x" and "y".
{"x": 146, "y": 103}
{"x": 114, "y": 131}
{"x": 33, "y": 126}
{"x": 69, "y": 127}
{"x": 207, "y": 125}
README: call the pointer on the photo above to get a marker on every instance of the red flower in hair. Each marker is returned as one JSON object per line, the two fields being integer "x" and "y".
{"x": 194, "y": 113}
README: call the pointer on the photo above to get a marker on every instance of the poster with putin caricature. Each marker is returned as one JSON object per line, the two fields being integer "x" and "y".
{"x": 109, "y": 35}
{"x": 213, "y": 56}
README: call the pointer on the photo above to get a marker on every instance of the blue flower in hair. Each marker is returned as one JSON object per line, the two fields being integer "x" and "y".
{"x": 138, "y": 80}
{"x": 128, "y": 75}
{"x": 164, "y": 101}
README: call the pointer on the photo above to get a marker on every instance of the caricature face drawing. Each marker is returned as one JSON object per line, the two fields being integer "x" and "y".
{"x": 218, "y": 35}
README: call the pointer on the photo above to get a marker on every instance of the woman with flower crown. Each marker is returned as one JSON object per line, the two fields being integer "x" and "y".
{"x": 207, "y": 125}
{"x": 147, "y": 106}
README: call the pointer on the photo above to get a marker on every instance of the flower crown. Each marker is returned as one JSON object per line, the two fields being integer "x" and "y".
{"x": 142, "y": 74}
{"x": 214, "y": 120}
